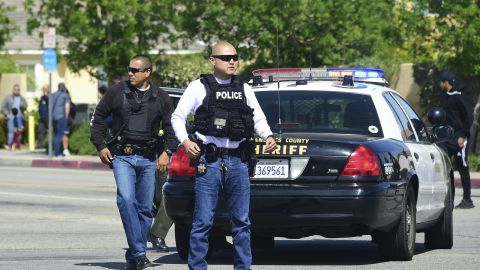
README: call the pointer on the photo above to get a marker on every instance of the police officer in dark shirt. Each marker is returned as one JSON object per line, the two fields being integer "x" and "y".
{"x": 140, "y": 112}
{"x": 460, "y": 117}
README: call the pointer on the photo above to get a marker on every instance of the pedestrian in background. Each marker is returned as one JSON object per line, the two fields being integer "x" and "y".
{"x": 460, "y": 116}
{"x": 135, "y": 150}
{"x": 60, "y": 111}
{"x": 162, "y": 222}
{"x": 221, "y": 169}
{"x": 70, "y": 118}
{"x": 13, "y": 109}
{"x": 43, "y": 117}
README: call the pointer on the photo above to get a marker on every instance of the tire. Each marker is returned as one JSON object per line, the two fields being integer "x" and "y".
{"x": 399, "y": 243}
{"x": 182, "y": 240}
{"x": 440, "y": 236}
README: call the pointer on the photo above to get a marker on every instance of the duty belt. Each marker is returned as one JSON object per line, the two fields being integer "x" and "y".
{"x": 133, "y": 149}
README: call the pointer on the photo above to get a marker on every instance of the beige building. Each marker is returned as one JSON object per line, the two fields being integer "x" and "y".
{"x": 26, "y": 50}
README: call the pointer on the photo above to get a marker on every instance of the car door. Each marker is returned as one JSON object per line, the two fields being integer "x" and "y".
{"x": 438, "y": 175}
{"x": 421, "y": 157}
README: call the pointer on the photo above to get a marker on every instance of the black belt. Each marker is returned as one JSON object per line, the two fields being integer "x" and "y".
{"x": 132, "y": 149}
{"x": 229, "y": 152}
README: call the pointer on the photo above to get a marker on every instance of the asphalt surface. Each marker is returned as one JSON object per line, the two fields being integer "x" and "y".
{"x": 68, "y": 219}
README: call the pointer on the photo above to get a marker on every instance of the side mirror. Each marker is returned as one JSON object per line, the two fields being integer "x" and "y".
{"x": 442, "y": 133}
{"x": 437, "y": 116}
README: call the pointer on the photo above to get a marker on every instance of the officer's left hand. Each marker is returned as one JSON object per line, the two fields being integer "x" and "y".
{"x": 270, "y": 145}
{"x": 162, "y": 162}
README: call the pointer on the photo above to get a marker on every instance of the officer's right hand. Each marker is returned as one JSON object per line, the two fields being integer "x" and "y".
{"x": 192, "y": 148}
{"x": 105, "y": 156}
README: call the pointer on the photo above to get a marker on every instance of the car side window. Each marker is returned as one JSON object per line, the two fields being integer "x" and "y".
{"x": 417, "y": 123}
{"x": 401, "y": 118}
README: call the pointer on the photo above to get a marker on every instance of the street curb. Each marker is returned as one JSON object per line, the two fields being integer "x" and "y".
{"x": 475, "y": 183}
{"x": 69, "y": 164}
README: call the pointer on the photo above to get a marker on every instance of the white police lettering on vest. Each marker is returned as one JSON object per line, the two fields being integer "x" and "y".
{"x": 229, "y": 95}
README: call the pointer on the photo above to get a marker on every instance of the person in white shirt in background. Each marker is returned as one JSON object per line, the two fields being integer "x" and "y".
{"x": 226, "y": 173}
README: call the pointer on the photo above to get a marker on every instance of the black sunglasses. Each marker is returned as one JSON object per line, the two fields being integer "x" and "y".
{"x": 135, "y": 70}
{"x": 227, "y": 57}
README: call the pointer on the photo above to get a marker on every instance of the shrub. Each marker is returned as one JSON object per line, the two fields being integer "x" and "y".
{"x": 80, "y": 140}
{"x": 474, "y": 163}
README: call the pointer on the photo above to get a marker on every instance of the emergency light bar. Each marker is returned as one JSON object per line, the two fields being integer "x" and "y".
{"x": 280, "y": 74}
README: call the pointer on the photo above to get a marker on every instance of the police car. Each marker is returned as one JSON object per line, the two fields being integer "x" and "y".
{"x": 353, "y": 158}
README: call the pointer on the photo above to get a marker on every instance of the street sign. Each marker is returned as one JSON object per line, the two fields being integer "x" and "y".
{"x": 49, "y": 37}
{"x": 49, "y": 60}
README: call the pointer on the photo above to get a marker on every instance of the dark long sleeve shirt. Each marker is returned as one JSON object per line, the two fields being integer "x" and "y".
{"x": 113, "y": 103}
{"x": 459, "y": 113}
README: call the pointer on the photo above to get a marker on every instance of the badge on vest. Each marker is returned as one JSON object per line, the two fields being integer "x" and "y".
{"x": 202, "y": 168}
{"x": 220, "y": 123}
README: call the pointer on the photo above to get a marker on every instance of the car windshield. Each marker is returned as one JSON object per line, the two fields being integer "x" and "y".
{"x": 320, "y": 111}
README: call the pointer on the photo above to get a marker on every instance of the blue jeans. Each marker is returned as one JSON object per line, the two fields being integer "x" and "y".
{"x": 135, "y": 178}
{"x": 59, "y": 127}
{"x": 11, "y": 127}
{"x": 234, "y": 185}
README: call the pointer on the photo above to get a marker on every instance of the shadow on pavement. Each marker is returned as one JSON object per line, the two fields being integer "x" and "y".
{"x": 106, "y": 265}
{"x": 303, "y": 252}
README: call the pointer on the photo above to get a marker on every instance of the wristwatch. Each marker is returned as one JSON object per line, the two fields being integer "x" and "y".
{"x": 169, "y": 152}
{"x": 271, "y": 136}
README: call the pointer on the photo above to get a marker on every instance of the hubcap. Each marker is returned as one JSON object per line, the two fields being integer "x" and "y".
{"x": 410, "y": 232}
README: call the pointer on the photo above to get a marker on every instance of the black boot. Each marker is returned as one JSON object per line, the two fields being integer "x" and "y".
{"x": 142, "y": 262}
{"x": 465, "y": 204}
{"x": 158, "y": 243}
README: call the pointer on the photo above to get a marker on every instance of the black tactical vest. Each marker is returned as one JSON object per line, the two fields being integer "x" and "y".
{"x": 224, "y": 111}
{"x": 139, "y": 114}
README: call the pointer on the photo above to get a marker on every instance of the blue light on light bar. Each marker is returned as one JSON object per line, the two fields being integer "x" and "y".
{"x": 318, "y": 73}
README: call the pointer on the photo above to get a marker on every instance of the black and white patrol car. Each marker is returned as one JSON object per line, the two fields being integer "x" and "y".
{"x": 353, "y": 158}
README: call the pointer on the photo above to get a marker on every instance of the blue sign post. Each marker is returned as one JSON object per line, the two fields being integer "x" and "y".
{"x": 49, "y": 61}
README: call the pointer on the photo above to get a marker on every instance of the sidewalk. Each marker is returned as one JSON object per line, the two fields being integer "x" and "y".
{"x": 39, "y": 158}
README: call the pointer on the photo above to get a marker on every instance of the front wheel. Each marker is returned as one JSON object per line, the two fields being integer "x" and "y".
{"x": 399, "y": 243}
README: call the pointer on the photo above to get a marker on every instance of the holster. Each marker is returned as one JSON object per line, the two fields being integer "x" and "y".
{"x": 247, "y": 154}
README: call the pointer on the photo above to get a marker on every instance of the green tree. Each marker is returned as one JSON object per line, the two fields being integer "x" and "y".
{"x": 7, "y": 26}
{"x": 179, "y": 70}
{"x": 320, "y": 33}
{"x": 103, "y": 33}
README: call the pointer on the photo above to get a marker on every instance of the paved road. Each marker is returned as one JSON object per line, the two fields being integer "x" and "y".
{"x": 67, "y": 219}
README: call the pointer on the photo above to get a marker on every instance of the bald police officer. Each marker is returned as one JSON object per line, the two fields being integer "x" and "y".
{"x": 226, "y": 113}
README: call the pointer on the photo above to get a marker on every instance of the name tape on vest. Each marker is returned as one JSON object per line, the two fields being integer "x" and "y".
{"x": 229, "y": 95}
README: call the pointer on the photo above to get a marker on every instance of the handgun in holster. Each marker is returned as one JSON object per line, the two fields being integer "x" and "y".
{"x": 247, "y": 154}
{"x": 194, "y": 161}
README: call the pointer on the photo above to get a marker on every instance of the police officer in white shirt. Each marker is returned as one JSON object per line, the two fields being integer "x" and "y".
{"x": 226, "y": 114}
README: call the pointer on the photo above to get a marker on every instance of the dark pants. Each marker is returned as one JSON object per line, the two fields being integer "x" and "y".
{"x": 59, "y": 127}
{"x": 460, "y": 158}
{"x": 41, "y": 130}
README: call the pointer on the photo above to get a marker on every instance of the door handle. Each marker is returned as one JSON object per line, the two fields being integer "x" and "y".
{"x": 415, "y": 155}
{"x": 432, "y": 156}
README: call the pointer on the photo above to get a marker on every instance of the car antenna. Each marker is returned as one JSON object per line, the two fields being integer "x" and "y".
{"x": 310, "y": 78}
{"x": 278, "y": 92}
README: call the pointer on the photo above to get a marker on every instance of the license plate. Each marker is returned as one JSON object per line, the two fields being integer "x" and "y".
{"x": 271, "y": 169}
